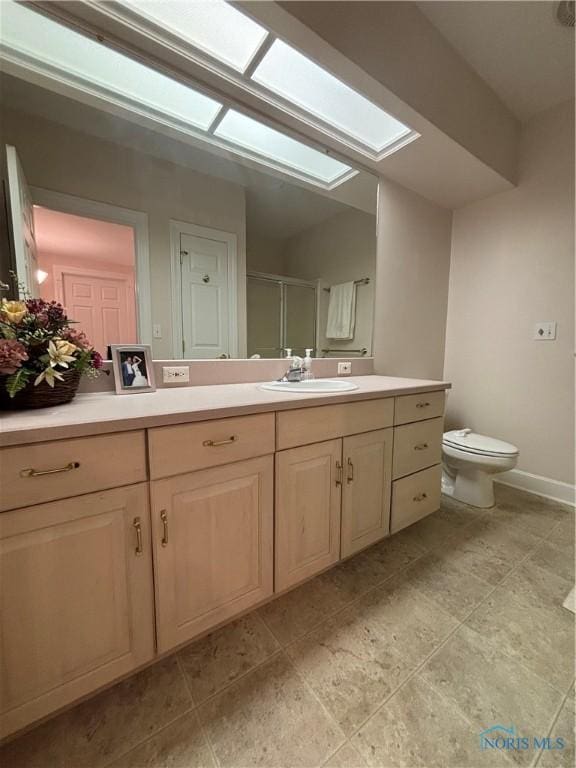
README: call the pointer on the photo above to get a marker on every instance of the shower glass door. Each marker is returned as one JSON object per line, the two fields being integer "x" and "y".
{"x": 281, "y": 312}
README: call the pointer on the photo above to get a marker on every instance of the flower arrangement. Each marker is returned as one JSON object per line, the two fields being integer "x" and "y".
{"x": 38, "y": 344}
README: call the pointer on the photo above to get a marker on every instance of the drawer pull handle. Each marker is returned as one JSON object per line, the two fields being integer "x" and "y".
{"x": 422, "y": 405}
{"x": 137, "y": 525}
{"x": 216, "y": 443}
{"x": 420, "y": 497}
{"x": 164, "y": 518}
{"x": 421, "y": 447}
{"x": 338, "y": 473}
{"x": 39, "y": 472}
{"x": 350, "y": 475}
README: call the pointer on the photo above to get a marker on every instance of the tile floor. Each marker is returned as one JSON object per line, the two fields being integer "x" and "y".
{"x": 398, "y": 657}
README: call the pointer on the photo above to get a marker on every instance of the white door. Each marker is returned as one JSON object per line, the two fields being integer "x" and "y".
{"x": 22, "y": 220}
{"x": 207, "y": 293}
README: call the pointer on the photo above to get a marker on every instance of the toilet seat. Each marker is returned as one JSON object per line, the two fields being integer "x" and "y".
{"x": 469, "y": 442}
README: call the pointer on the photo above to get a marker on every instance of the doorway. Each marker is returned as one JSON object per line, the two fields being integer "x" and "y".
{"x": 88, "y": 265}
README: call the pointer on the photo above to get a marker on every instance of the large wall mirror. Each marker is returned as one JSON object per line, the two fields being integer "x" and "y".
{"x": 240, "y": 245}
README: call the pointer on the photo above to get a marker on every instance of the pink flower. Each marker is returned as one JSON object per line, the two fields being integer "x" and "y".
{"x": 76, "y": 337}
{"x": 97, "y": 361}
{"x": 12, "y": 354}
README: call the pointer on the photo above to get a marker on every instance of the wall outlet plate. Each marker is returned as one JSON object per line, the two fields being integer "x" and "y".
{"x": 344, "y": 369}
{"x": 172, "y": 374}
{"x": 545, "y": 330}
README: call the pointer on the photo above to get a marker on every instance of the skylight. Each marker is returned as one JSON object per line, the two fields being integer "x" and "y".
{"x": 61, "y": 50}
{"x": 34, "y": 43}
{"x": 279, "y": 73}
{"x": 214, "y": 27}
{"x": 299, "y": 80}
{"x": 281, "y": 149}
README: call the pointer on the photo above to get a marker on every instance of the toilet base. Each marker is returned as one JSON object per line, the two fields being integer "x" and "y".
{"x": 470, "y": 486}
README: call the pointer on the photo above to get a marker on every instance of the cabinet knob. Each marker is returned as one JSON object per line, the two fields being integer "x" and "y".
{"x": 338, "y": 473}
{"x": 137, "y": 525}
{"x": 420, "y": 497}
{"x": 350, "y": 474}
{"x": 421, "y": 447}
{"x": 40, "y": 472}
{"x": 216, "y": 443}
{"x": 164, "y": 519}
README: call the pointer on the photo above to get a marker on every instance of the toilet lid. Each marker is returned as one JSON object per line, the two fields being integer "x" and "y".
{"x": 469, "y": 441}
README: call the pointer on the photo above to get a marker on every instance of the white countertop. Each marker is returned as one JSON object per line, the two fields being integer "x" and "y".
{"x": 95, "y": 414}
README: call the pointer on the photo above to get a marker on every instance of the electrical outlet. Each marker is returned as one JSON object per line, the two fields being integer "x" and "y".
{"x": 175, "y": 373}
{"x": 344, "y": 369}
{"x": 157, "y": 331}
{"x": 545, "y": 331}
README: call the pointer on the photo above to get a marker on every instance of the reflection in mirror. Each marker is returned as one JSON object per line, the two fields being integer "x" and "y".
{"x": 148, "y": 233}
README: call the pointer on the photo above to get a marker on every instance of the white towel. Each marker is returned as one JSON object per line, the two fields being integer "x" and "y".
{"x": 341, "y": 311}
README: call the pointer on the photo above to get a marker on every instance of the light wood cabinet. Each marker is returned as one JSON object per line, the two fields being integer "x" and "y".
{"x": 366, "y": 489}
{"x": 417, "y": 446}
{"x": 213, "y": 546}
{"x": 34, "y": 474}
{"x": 427, "y": 405}
{"x": 328, "y": 422}
{"x": 189, "y": 447}
{"x": 93, "y": 585}
{"x": 414, "y": 497}
{"x": 76, "y": 600}
{"x": 308, "y": 497}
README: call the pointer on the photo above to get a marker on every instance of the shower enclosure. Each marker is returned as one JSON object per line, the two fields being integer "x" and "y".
{"x": 281, "y": 313}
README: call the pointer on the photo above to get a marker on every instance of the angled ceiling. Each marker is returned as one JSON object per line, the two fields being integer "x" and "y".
{"x": 518, "y": 48}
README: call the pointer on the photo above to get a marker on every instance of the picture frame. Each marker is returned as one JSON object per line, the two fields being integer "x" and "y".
{"x": 133, "y": 368}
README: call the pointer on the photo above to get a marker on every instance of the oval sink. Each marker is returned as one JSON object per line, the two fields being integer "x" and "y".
{"x": 311, "y": 385}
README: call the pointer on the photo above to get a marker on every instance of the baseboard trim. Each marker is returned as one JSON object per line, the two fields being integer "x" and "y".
{"x": 540, "y": 486}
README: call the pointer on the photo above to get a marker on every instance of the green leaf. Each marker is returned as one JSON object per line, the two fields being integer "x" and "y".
{"x": 17, "y": 381}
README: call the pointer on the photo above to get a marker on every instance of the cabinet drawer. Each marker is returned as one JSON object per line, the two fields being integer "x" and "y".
{"x": 427, "y": 405}
{"x": 414, "y": 497}
{"x": 327, "y": 422}
{"x": 32, "y": 474}
{"x": 417, "y": 446}
{"x": 187, "y": 447}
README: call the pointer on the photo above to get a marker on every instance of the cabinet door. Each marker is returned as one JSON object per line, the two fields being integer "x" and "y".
{"x": 308, "y": 496}
{"x": 76, "y": 599}
{"x": 366, "y": 490}
{"x": 213, "y": 546}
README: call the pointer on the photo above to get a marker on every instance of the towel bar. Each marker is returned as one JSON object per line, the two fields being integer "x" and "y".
{"x": 363, "y": 281}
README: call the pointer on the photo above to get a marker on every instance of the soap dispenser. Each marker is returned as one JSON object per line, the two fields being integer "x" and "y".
{"x": 307, "y": 366}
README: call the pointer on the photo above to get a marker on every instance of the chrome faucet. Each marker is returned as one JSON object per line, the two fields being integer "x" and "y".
{"x": 296, "y": 370}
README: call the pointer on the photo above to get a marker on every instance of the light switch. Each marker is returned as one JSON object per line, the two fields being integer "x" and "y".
{"x": 545, "y": 331}
{"x": 157, "y": 331}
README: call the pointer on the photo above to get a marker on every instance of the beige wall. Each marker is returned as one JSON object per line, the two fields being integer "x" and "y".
{"x": 512, "y": 266}
{"x": 413, "y": 262}
{"x": 339, "y": 249}
{"x": 264, "y": 254}
{"x": 58, "y": 158}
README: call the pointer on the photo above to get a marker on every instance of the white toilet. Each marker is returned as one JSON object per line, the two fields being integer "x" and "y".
{"x": 469, "y": 463}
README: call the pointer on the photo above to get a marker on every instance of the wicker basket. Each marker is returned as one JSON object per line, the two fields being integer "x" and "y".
{"x": 42, "y": 396}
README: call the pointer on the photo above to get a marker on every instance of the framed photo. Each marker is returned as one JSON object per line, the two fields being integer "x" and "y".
{"x": 133, "y": 369}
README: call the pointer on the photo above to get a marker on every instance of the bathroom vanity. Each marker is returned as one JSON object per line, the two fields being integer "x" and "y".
{"x": 132, "y": 525}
